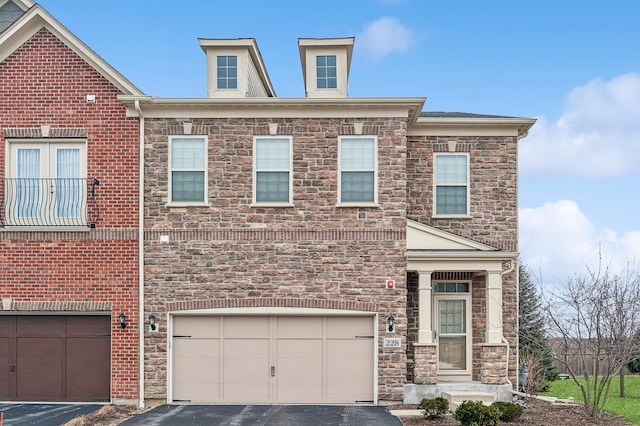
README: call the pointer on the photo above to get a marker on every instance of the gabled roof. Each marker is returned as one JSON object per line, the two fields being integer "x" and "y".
{"x": 34, "y": 19}
{"x": 428, "y": 243}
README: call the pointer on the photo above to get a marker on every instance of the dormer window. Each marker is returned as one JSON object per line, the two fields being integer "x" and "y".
{"x": 227, "y": 67}
{"x": 325, "y": 66}
{"x": 326, "y": 72}
{"x": 235, "y": 69}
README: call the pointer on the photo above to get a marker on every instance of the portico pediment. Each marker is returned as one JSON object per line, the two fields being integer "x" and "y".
{"x": 422, "y": 237}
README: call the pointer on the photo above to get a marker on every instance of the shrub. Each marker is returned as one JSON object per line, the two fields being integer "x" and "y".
{"x": 475, "y": 413}
{"x": 508, "y": 410}
{"x": 434, "y": 408}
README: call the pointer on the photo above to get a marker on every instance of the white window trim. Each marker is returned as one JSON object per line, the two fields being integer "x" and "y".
{"x": 228, "y": 89}
{"x": 205, "y": 201}
{"x": 337, "y": 72}
{"x": 373, "y": 203}
{"x": 466, "y": 184}
{"x": 254, "y": 175}
{"x": 10, "y": 168}
{"x": 468, "y": 324}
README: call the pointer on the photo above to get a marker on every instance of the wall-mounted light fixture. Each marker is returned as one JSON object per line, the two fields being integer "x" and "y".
{"x": 390, "y": 323}
{"x": 122, "y": 319}
{"x": 152, "y": 322}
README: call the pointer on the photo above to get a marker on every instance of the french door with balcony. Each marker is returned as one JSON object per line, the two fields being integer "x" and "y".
{"x": 46, "y": 185}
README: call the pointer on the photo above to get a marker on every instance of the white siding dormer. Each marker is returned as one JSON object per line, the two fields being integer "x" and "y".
{"x": 235, "y": 69}
{"x": 325, "y": 66}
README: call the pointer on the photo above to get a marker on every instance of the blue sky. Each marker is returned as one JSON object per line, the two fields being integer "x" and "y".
{"x": 574, "y": 66}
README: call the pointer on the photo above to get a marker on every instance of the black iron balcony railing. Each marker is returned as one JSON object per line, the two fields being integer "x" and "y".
{"x": 48, "y": 202}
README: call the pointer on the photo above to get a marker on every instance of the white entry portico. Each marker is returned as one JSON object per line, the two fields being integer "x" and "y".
{"x": 445, "y": 330}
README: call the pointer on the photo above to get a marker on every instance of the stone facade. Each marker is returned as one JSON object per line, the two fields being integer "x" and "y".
{"x": 493, "y": 209}
{"x": 233, "y": 254}
{"x": 492, "y": 220}
{"x": 425, "y": 364}
{"x": 494, "y": 363}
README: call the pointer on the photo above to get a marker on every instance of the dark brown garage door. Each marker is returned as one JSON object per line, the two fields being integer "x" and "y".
{"x": 55, "y": 358}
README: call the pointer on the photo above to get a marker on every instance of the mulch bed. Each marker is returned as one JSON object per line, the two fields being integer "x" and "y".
{"x": 538, "y": 413}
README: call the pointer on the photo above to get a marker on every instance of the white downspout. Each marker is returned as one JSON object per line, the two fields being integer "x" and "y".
{"x": 505, "y": 341}
{"x": 141, "y": 329}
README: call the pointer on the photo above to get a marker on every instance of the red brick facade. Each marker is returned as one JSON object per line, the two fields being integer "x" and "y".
{"x": 45, "y": 82}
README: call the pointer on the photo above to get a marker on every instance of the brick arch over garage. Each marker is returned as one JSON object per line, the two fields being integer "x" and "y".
{"x": 272, "y": 303}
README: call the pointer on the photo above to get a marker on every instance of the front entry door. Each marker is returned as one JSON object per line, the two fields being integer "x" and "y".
{"x": 453, "y": 328}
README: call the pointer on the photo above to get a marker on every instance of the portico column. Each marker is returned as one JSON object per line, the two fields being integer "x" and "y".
{"x": 425, "y": 331}
{"x": 494, "y": 307}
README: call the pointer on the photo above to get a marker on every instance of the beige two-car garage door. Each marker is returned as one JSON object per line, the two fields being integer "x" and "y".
{"x": 272, "y": 359}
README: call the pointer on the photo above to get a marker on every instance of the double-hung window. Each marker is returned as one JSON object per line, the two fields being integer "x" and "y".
{"x": 358, "y": 161}
{"x": 326, "y": 72}
{"x": 272, "y": 170}
{"x": 227, "y": 72}
{"x": 187, "y": 169}
{"x": 46, "y": 184}
{"x": 452, "y": 184}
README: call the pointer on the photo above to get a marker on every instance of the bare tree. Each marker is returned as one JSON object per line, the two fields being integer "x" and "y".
{"x": 594, "y": 322}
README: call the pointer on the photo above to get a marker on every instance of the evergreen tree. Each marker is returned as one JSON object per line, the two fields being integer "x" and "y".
{"x": 533, "y": 340}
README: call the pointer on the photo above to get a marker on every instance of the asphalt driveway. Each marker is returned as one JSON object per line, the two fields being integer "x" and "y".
{"x": 280, "y": 415}
{"x": 43, "y": 414}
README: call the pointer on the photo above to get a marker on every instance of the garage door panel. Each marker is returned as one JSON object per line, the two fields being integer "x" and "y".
{"x": 246, "y": 327}
{"x": 39, "y": 368}
{"x": 4, "y": 365}
{"x": 5, "y": 322}
{"x": 57, "y": 358}
{"x": 196, "y": 369}
{"x": 95, "y": 324}
{"x": 40, "y": 325}
{"x": 299, "y": 370}
{"x": 315, "y": 359}
{"x": 88, "y": 369}
{"x": 247, "y": 366}
{"x": 246, "y": 360}
{"x": 197, "y": 326}
{"x": 300, "y": 327}
{"x": 350, "y": 370}
{"x": 349, "y": 327}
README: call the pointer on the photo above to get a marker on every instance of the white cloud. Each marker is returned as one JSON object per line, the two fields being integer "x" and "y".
{"x": 598, "y": 133}
{"x": 383, "y": 37}
{"x": 557, "y": 241}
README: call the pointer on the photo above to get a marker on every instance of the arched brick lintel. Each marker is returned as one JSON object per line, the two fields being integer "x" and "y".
{"x": 275, "y": 303}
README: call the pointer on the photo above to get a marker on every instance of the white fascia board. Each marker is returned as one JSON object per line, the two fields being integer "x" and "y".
{"x": 404, "y": 108}
{"x": 252, "y": 47}
{"x": 471, "y": 126}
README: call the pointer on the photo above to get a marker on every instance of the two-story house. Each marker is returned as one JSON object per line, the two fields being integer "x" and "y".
{"x": 245, "y": 248}
{"x": 324, "y": 249}
{"x": 69, "y": 217}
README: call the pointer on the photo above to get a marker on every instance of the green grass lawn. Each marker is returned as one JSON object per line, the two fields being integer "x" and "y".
{"x": 628, "y": 407}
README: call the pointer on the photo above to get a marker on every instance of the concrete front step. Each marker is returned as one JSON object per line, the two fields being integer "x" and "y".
{"x": 455, "y": 398}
